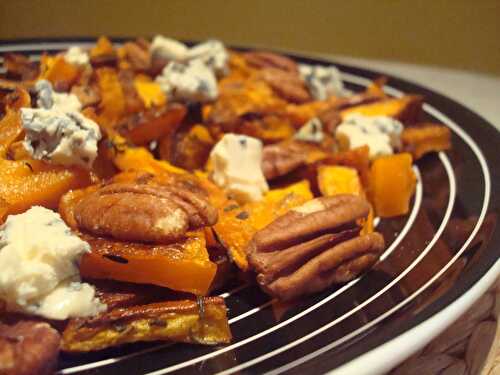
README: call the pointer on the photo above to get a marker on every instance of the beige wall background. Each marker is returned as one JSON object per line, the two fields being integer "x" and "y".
{"x": 454, "y": 33}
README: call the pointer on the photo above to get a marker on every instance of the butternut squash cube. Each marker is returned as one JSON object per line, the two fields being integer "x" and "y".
{"x": 392, "y": 184}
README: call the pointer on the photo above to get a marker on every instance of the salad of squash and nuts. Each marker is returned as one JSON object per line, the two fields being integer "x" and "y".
{"x": 137, "y": 180}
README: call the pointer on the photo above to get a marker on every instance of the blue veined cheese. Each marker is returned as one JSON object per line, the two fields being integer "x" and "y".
{"x": 168, "y": 48}
{"x": 77, "y": 56}
{"x": 192, "y": 82}
{"x": 212, "y": 53}
{"x": 65, "y": 138}
{"x": 236, "y": 161}
{"x": 49, "y": 99}
{"x": 381, "y": 134}
{"x": 323, "y": 81}
{"x": 39, "y": 258}
{"x": 311, "y": 131}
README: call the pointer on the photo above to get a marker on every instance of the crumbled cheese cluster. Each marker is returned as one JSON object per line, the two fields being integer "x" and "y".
{"x": 192, "y": 82}
{"x": 197, "y": 81}
{"x": 323, "y": 81}
{"x": 66, "y": 138}
{"x": 39, "y": 261}
{"x": 311, "y": 131}
{"x": 380, "y": 133}
{"x": 47, "y": 98}
{"x": 212, "y": 52}
{"x": 77, "y": 56}
{"x": 237, "y": 160}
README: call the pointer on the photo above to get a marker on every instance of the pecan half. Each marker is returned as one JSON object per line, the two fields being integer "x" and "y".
{"x": 278, "y": 160}
{"x": 262, "y": 59}
{"x": 314, "y": 246}
{"x": 286, "y": 84}
{"x": 138, "y": 56}
{"x": 28, "y": 347}
{"x": 148, "y": 213}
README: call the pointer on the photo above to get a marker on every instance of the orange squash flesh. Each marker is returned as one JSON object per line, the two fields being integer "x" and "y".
{"x": 10, "y": 130}
{"x": 112, "y": 105}
{"x": 426, "y": 138}
{"x": 183, "y": 266}
{"x": 391, "y": 196}
{"x": 28, "y": 183}
{"x": 58, "y": 71}
{"x": 405, "y": 108}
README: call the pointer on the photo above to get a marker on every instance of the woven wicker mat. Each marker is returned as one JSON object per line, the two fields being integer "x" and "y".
{"x": 470, "y": 346}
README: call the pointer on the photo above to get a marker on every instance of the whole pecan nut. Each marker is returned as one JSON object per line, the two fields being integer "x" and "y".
{"x": 286, "y": 84}
{"x": 262, "y": 59}
{"x": 133, "y": 211}
{"x": 138, "y": 56}
{"x": 28, "y": 347}
{"x": 314, "y": 246}
{"x": 279, "y": 159}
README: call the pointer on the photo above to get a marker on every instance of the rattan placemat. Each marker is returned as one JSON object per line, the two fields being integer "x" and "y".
{"x": 470, "y": 346}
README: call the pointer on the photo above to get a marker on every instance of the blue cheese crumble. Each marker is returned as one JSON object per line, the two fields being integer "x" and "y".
{"x": 47, "y": 98}
{"x": 311, "y": 131}
{"x": 191, "y": 73}
{"x": 237, "y": 161}
{"x": 39, "y": 258}
{"x": 65, "y": 138}
{"x": 212, "y": 53}
{"x": 191, "y": 82}
{"x": 77, "y": 56}
{"x": 323, "y": 81}
{"x": 381, "y": 134}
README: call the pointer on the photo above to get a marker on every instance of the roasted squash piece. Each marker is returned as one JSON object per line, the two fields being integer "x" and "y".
{"x": 188, "y": 149}
{"x": 103, "y": 53}
{"x": 155, "y": 123}
{"x": 238, "y": 98}
{"x": 392, "y": 184}
{"x": 333, "y": 180}
{"x": 58, "y": 71}
{"x": 149, "y": 91}
{"x": 357, "y": 158}
{"x": 425, "y": 138}
{"x": 237, "y": 224}
{"x": 269, "y": 129}
{"x": 11, "y": 129}
{"x": 140, "y": 159}
{"x": 31, "y": 182}
{"x": 182, "y": 266}
{"x": 198, "y": 322}
{"x": 405, "y": 109}
{"x": 112, "y": 105}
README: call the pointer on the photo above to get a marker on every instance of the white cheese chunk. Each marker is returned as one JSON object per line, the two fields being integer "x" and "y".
{"x": 168, "y": 48}
{"x": 323, "y": 81}
{"x": 39, "y": 261}
{"x": 213, "y": 54}
{"x": 192, "y": 82}
{"x": 77, "y": 56}
{"x": 236, "y": 160}
{"x": 311, "y": 131}
{"x": 66, "y": 138}
{"x": 380, "y": 133}
{"x": 49, "y": 99}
